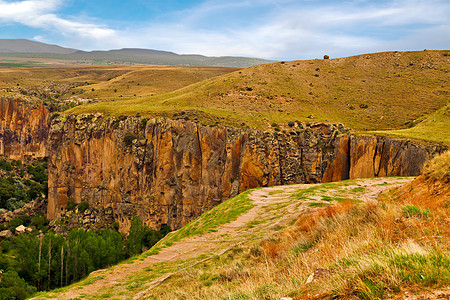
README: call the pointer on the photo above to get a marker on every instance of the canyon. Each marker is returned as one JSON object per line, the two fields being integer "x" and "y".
{"x": 171, "y": 171}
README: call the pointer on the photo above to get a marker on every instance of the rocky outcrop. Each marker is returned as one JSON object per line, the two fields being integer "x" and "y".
{"x": 377, "y": 156}
{"x": 23, "y": 129}
{"x": 170, "y": 171}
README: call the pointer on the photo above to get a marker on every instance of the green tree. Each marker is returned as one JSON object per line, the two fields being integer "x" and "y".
{"x": 135, "y": 237}
{"x": 13, "y": 287}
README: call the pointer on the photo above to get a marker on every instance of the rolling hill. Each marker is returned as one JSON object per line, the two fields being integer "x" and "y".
{"x": 30, "y": 49}
{"x": 381, "y": 91}
{"x": 27, "y": 46}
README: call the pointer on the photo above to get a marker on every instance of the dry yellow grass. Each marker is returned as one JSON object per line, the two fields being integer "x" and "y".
{"x": 372, "y": 250}
{"x": 108, "y": 82}
{"x": 367, "y": 92}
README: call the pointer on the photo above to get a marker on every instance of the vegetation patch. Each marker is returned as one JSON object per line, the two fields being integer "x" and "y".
{"x": 224, "y": 213}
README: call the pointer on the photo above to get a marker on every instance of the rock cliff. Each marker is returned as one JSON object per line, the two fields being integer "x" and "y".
{"x": 23, "y": 128}
{"x": 171, "y": 171}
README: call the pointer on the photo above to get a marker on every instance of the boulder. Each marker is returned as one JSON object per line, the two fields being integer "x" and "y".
{"x": 6, "y": 233}
{"x": 20, "y": 229}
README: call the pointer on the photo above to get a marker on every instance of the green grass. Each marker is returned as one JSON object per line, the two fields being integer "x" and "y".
{"x": 16, "y": 65}
{"x": 224, "y": 213}
{"x": 394, "y": 90}
{"x": 412, "y": 211}
{"x": 317, "y": 204}
{"x": 433, "y": 127}
{"x": 276, "y": 192}
{"x": 376, "y": 275}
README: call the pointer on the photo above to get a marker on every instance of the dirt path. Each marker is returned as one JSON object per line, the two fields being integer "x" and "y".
{"x": 274, "y": 206}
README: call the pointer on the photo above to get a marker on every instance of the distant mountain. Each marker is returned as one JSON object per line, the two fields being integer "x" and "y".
{"x": 31, "y": 49}
{"x": 27, "y": 46}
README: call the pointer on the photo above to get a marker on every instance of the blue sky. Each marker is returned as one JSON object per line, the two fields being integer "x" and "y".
{"x": 274, "y": 29}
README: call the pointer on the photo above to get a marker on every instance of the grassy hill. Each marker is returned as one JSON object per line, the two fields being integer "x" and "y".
{"x": 433, "y": 127}
{"x": 104, "y": 82}
{"x": 367, "y": 92}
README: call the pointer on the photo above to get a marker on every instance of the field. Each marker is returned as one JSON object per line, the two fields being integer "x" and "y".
{"x": 102, "y": 82}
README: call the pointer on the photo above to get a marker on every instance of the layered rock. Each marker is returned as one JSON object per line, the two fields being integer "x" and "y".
{"x": 172, "y": 171}
{"x": 23, "y": 129}
{"x": 169, "y": 171}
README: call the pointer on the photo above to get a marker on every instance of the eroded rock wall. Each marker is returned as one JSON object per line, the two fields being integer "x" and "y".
{"x": 377, "y": 156}
{"x": 23, "y": 129}
{"x": 173, "y": 170}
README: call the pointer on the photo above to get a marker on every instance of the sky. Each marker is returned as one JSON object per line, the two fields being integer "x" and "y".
{"x": 271, "y": 29}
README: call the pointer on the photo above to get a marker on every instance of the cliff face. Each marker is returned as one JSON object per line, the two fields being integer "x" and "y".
{"x": 375, "y": 156}
{"x": 170, "y": 172}
{"x": 23, "y": 129}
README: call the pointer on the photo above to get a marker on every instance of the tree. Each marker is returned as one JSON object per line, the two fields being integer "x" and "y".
{"x": 135, "y": 237}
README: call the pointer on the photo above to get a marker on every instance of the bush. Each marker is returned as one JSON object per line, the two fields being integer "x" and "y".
{"x": 71, "y": 204}
{"x": 143, "y": 122}
{"x": 83, "y": 206}
{"x": 129, "y": 138}
{"x": 5, "y": 165}
{"x": 39, "y": 222}
{"x": 14, "y": 223}
{"x": 14, "y": 287}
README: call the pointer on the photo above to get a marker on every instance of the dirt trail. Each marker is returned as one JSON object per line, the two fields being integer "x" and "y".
{"x": 278, "y": 201}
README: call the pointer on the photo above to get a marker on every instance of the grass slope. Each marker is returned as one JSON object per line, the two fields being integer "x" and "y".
{"x": 433, "y": 127}
{"x": 104, "y": 83}
{"x": 366, "y": 92}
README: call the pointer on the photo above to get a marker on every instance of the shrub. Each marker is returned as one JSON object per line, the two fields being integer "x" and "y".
{"x": 71, "y": 204}
{"x": 83, "y": 206}
{"x": 116, "y": 226}
{"x": 5, "y": 165}
{"x": 143, "y": 122}
{"x": 326, "y": 57}
{"x": 14, "y": 223}
{"x": 129, "y": 138}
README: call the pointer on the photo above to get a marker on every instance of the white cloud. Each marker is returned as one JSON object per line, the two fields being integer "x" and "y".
{"x": 41, "y": 14}
{"x": 283, "y": 29}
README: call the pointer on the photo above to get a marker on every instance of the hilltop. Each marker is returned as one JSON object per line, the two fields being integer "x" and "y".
{"x": 380, "y": 91}
{"x": 27, "y": 46}
{"x": 41, "y": 53}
